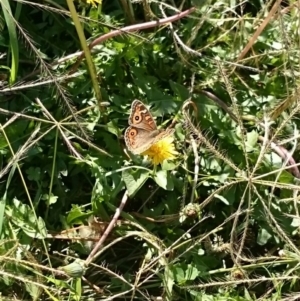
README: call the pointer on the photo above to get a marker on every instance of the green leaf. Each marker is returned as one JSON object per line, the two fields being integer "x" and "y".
{"x": 295, "y": 222}
{"x": 23, "y": 217}
{"x": 3, "y": 199}
{"x": 179, "y": 275}
{"x": 168, "y": 280}
{"x": 168, "y": 165}
{"x": 78, "y": 288}
{"x": 222, "y": 199}
{"x": 13, "y": 39}
{"x": 191, "y": 273}
{"x": 52, "y": 199}
{"x": 76, "y": 215}
{"x": 113, "y": 128}
{"x": 180, "y": 90}
{"x": 164, "y": 180}
{"x": 134, "y": 180}
{"x": 272, "y": 159}
{"x": 247, "y": 295}
{"x": 34, "y": 290}
{"x": 286, "y": 177}
{"x": 251, "y": 141}
{"x": 2, "y": 211}
{"x": 199, "y": 3}
{"x": 263, "y": 236}
{"x": 34, "y": 173}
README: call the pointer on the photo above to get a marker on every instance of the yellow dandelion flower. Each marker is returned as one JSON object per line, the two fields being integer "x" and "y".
{"x": 93, "y": 2}
{"x": 162, "y": 150}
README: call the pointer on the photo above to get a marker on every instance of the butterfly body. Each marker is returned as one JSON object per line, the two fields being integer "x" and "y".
{"x": 142, "y": 132}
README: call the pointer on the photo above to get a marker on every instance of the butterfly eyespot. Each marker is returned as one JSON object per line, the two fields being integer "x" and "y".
{"x": 132, "y": 132}
{"x": 137, "y": 118}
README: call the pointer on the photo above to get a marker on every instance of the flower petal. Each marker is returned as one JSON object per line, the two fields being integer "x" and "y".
{"x": 162, "y": 150}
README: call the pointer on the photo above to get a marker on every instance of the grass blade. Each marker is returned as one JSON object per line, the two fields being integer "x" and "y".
{"x": 13, "y": 39}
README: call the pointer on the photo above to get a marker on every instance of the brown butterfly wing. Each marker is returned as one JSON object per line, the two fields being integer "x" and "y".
{"x": 140, "y": 117}
{"x": 139, "y": 140}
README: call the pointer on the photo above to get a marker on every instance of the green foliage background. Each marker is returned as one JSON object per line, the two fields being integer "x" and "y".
{"x": 220, "y": 222}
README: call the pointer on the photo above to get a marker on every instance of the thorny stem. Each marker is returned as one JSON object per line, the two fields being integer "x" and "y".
{"x": 260, "y": 29}
{"x": 281, "y": 151}
{"x": 132, "y": 28}
{"x": 194, "y": 145}
{"x": 108, "y": 229}
{"x": 196, "y": 168}
{"x": 66, "y": 140}
{"x": 264, "y": 145}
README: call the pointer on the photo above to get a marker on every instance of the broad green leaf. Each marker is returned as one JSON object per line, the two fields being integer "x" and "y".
{"x": 164, "y": 180}
{"x": 286, "y": 177}
{"x": 76, "y": 215}
{"x": 179, "y": 275}
{"x": 113, "y": 128}
{"x": 101, "y": 190}
{"x": 166, "y": 105}
{"x": 168, "y": 165}
{"x": 134, "y": 180}
{"x": 179, "y": 90}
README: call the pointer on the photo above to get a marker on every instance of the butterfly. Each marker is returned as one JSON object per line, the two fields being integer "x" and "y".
{"x": 142, "y": 132}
